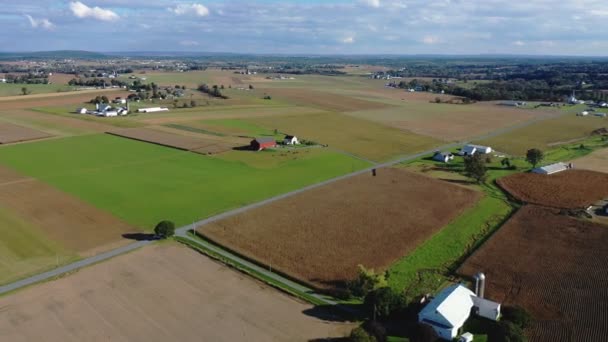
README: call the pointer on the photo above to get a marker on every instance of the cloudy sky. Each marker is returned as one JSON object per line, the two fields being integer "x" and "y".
{"x": 556, "y": 27}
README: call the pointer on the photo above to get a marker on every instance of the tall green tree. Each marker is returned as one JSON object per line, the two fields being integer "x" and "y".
{"x": 164, "y": 229}
{"x": 475, "y": 167}
{"x": 534, "y": 156}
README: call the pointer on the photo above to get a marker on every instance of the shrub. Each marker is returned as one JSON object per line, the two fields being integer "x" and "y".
{"x": 360, "y": 335}
{"x": 375, "y": 329}
{"x": 423, "y": 333}
{"x": 366, "y": 281}
{"x": 384, "y": 302}
{"x": 517, "y": 315}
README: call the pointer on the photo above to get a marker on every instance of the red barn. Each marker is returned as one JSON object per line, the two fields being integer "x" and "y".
{"x": 259, "y": 144}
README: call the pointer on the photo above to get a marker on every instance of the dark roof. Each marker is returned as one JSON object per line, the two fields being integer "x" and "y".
{"x": 289, "y": 136}
{"x": 265, "y": 140}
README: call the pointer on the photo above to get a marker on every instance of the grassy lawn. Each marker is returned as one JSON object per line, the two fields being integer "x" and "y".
{"x": 360, "y": 137}
{"x": 11, "y": 89}
{"x": 546, "y": 134}
{"x": 24, "y": 250}
{"x": 145, "y": 183}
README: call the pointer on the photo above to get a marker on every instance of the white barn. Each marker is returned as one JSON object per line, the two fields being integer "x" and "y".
{"x": 551, "y": 169}
{"x": 451, "y": 308}
{"x": 152, "y": 110}
{"x": 291, "y": 140}
{"x": 443, "y": 157}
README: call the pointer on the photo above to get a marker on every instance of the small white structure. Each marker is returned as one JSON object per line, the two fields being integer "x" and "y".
{"x": 120, "y": 100}
{"x": 291, "y": 140}
{"x": 469, "y": 150}
{"x": 551, "y": 169}
{"x": 82, "y": 110}
{"x": 466, "y": 337}
{"x": 107, "y": 113}
{"x": 153, "y": 110}
{"x": 451, "y": 308}
{"x": 583, "y": 113}
{"x": 443, "y": 157}
{"x": 601, "y": 115}
{"x": 514, "y": 103}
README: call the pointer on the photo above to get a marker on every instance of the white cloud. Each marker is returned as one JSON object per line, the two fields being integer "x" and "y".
{"x": 599, "y": 12}
{"x": 348, "y": 40}
{"x": 371, "y": 3}
{"x": 40, "y": 23}
{"x": 196, "y": 9}
{"x": 83, "y": 11}
{"x": 519, "y": 43}
{"x": 189, "y": 43}
{"x": 430, "y": 40}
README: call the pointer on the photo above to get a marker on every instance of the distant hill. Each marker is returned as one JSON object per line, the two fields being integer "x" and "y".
{"x": 52, "y": 54}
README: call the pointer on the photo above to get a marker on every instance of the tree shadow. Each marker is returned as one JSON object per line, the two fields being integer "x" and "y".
{"x": 331, "y": 339}
{"x": 458, "y": 181}
{"x": 140, "y": 236}
{"x": 243, "y": 148}
{"x": 339, "y": 313}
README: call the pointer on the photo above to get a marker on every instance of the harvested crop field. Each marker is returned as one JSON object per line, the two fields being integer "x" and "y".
{"x": 596, "y": 161}
{"x": 323, "y": 100}
{"x": 57, "y": 99}
{"x": 182, "y": 142}
{"x": 570, "y": 189}
{"x": 10, "y": 133}
{"x": 372, "y": 221}
{"x": 62, "y": 218}
{"x": 53, "y": 124}
{"x": 555, "y": 267}
{"x": 162, "y": 292}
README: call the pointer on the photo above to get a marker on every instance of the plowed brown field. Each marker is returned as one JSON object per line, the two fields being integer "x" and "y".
{"x": 63, "y": 218}
{"x": 568, "y": 189}
{"x": 555, "y": 267}
{"x": 321, "y": 235}
{"x": 10, "y": 133}
{"x": 324, "y": 100}
{"x": 159, "y": 293}
{"x": 182, "y": 142}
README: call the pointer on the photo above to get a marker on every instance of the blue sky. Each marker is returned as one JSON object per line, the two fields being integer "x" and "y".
{"x": 555, "y": 27}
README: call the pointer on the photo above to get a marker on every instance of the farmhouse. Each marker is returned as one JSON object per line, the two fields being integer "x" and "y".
{"x": 469, "y": 150}
{"x": 451, "y": 308}
{"x": 551, "y": 169}
{"x": 152, "y": 110}
{"x": 259, "y": 144}
{"x": 291, "y": 140}
{"x": 443, "y": 157}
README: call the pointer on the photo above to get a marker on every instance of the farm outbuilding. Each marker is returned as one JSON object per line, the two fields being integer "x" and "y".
{"x": 443, "y": 157}
{"x": 291, "y": 140}
{"x": 152, "y": 110}
{"x": 469, "y": 150}
{"x": 551, "y": 169}
{"x": 259, "y": 144}
{"x": 82, "y": 111}
{"x": 451, "y": 308}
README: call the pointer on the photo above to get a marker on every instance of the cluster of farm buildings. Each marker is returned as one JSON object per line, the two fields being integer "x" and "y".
{"x": 120, "y": 107}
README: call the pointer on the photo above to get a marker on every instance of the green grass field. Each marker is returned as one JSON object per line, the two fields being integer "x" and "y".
{"x": 145, "y": 183}
{"x": 546, "y": 134}
{"x": 357, "y": 136}
{"x": 11, "y": 89}
{"x": 24, "y": 250}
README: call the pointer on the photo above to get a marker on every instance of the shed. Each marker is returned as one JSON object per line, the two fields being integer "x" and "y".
{"x": 81, "y": 110}
{"x": 291, "y": 140}
{"x": 551, "y": 169}
{"x": 482, "y": 149}
{"x": 443, "y": 157}
{"x": 259, "y": 144}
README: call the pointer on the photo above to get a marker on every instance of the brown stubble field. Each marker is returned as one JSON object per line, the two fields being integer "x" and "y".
{"x": 163, "y": 292}
{"x": 10, "y": 133}
{"x": 180, "y": 141}
{"x": 571, "y": 189}
{"x": 596, "y": 161}
{"x": 552, "y": 265}
{"x": 322, "y": 235}
{"x": 63, "y": 218}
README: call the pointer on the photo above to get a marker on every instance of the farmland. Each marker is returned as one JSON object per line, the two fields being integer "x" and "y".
{"x": 13, "y": 133}
{"x": 10, "y": 89}
{"x": 143, "y": 183}
{"x": 365, "y": 220}
{"x": 144, "y": 296}
{"x": 553, "y": 132}
{"x": 596, "y": 161}
{"x": 568, "y": 189}
{"x": 554, "y": 267}
{"x": 357, "y": 136}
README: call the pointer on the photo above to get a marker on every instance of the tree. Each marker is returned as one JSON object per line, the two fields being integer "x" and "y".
{"x": 104, "y": 99}
{"x": 360, "y": 335}
{"x": 383, "y": 302}
{"x": 534, "y": 156}
{"x": 164, "y": 229}
{"x": 517, "y": 315}
{"x": 475, "y": 167}
{"x": 25, "y": 91}
{"x": 192, "y": 103}
{"x": 423, "y": 333}
{"x": 506, "y": 162}
{"x": 367, "y": 280}
{"x": 250, "y": 87}
{"x": 507, "y": 332}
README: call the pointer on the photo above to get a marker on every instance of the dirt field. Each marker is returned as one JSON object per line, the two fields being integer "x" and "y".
{"x": 160, "y": 293}
{"x": 10, "y": 133}
{"x": 596, "y": 161}
{"x": 320, "y": 236}
{"x": 324, "y": 100}
{"x": 179, "y": 141}
{"x": 568, "y": 189}
{"x": 62, "y": 218}
{"x": 555, "y": 267}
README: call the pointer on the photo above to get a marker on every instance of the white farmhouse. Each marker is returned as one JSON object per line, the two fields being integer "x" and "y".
{"x": 451, "y": 308}
{"x": 291, "y": 140}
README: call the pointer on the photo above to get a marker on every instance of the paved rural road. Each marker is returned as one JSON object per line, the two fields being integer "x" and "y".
{"x": 184, "y": 230}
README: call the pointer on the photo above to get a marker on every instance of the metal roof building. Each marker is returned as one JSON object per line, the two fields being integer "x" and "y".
{"x": 550, "y": 169}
